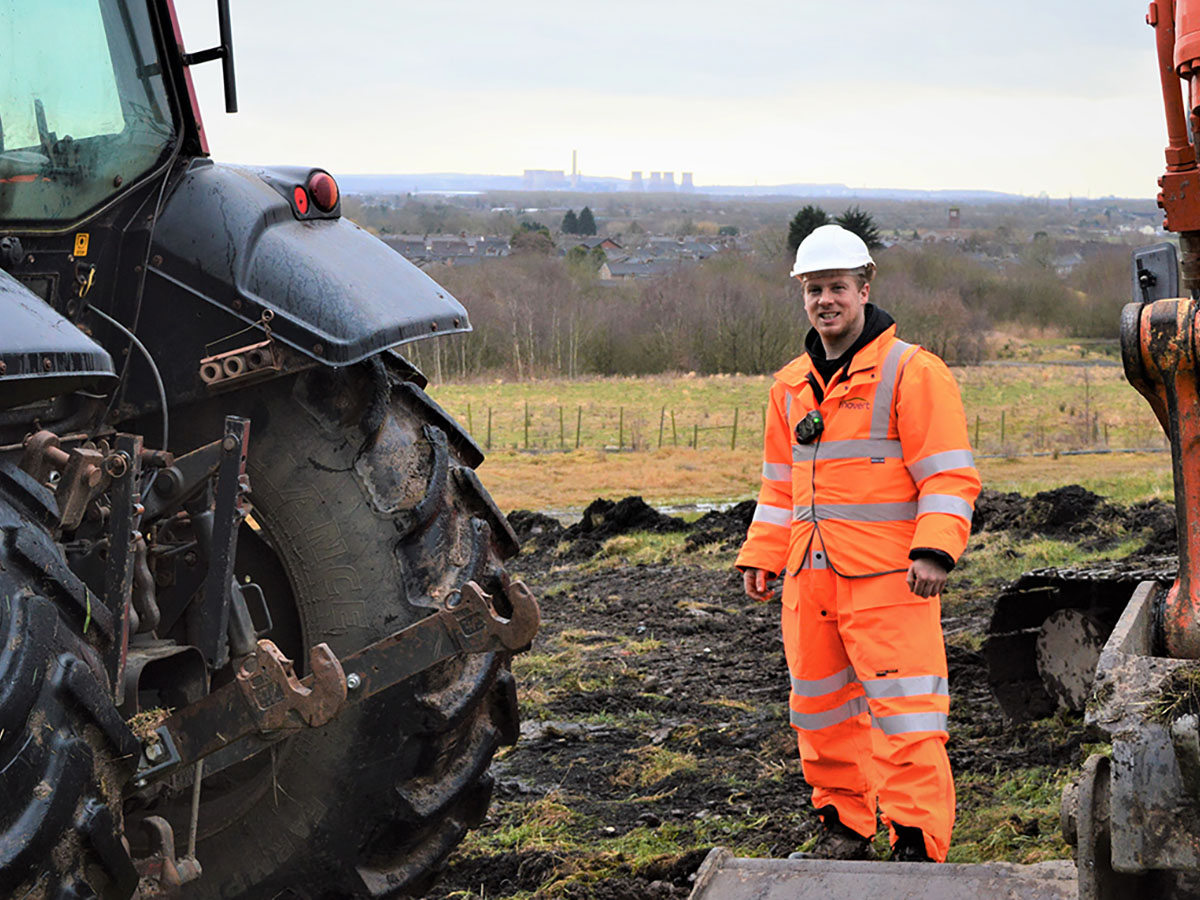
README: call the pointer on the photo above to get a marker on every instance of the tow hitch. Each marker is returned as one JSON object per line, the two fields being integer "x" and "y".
{"x": 266, "y": 702}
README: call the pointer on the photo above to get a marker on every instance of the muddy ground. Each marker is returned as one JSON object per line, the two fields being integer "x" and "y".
{"x": 655, "y": 707}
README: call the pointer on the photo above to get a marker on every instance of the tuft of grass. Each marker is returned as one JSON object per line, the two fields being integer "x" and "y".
{"x": 586, "y": 637}
{"x": 645, "y": 645}
{"x": 640, "y": 547}
{"x": 652, "y": 765}
{"x": 1013, "y": 816}
{"x": 1002, "y": 556}
{"x": 1180, "y": 695}
{"x": 547, "y": 823}
{"x": 741, "y": 705}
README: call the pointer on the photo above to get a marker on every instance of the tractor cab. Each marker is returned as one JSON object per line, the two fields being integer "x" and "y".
{"x": 85, "y": 111}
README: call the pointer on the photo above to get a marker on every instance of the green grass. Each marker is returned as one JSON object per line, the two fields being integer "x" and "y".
{"x": 1003, "y": 810}
{"x": 1008, "y": 410}
{"x": 993, "y": 556}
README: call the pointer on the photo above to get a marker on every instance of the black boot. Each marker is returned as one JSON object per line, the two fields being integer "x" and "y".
{"x": 909, "y": 846}
{"x": 836, "y": 841}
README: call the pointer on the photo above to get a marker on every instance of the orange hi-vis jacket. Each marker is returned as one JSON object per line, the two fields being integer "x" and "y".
{"x": 891, "y": 472}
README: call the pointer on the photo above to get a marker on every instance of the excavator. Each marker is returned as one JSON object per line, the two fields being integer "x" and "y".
{"x": 1133, "y": 814}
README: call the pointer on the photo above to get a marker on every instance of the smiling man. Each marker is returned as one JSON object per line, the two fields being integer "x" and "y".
{"x": 867, "y": 495}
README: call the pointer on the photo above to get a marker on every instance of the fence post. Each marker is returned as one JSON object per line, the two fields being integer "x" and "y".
{"x": 526, "y": 424}
{"x": 733, "y": 440}
{"x": 578, "y": 424}
{"x": 1105, "y": 434}
{"x": 562, "y": 435}
{"x": 976, "y": 431}
{"x": 621, "y": 429}
{"x": 489, "y": 436}
{"x": 695, "y": 437}
{"x": 661, "y": 418}
{"x": 674, "y": 439}
{"x": 1002, "y": 430}
{"x": 764, "y": 418}
{"x": 470, "y": 424}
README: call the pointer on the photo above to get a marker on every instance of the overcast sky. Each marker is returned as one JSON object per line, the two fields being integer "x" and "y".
{"x": 1026, "y": 96}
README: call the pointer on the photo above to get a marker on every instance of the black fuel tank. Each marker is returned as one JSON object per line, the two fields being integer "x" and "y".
{"x": 41, "y": 353}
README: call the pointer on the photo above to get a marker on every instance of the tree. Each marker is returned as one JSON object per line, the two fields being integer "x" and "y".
{"x": 531, "y": 237}
{"x": 570, "y": 223}
{"x": 587, "y": 222}
{"x": 583, "y": 258}
{"x": 804, "y": 223}
{"x": 860, "y": 222}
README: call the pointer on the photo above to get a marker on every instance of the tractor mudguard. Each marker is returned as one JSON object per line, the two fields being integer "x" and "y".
{"x": 43, "y": 354}
{"x": 234, "y": 238}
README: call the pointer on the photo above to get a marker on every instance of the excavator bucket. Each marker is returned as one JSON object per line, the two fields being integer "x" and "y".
{"x": 723, "y": 876}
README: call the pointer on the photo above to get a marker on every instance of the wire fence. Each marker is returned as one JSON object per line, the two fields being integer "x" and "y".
{"x": 536, "y": 427}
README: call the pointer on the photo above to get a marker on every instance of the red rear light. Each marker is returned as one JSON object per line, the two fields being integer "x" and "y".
{"x": 301, "y": 198}
{"x": 324, "y": 191}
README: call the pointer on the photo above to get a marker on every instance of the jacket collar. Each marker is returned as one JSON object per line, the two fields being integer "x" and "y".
{"x": 795, "y": 372}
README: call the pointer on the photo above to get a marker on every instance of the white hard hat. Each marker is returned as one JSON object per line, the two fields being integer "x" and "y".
{"x": 830, "y": 247}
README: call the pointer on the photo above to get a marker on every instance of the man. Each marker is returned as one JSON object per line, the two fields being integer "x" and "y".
{"x": 867, "y": 495}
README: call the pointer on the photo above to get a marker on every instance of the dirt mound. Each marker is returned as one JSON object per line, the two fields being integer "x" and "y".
{"x": 998, "y": 511}
{"x": 534, "y": 529}
{"x": 604, "y": 519}
{"x": 725, "y": 526}
{"x": 1073, "y": 512}
{"x": 1065, "y": 510}
{"x": 1156, "y": 519}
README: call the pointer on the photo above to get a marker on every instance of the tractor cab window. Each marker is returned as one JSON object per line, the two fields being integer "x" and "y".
{"x": 83, "y": 108}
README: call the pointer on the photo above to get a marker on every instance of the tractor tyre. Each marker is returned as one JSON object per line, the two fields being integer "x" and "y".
{"x": 64, "y": 749}
{"x": 367, "y": 516}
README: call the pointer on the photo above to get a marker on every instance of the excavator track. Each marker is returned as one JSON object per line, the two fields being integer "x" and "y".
{"x": 1048, "y": 627}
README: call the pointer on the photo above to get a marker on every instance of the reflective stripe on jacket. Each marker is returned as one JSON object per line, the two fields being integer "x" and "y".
{"x": 891, "y": 471}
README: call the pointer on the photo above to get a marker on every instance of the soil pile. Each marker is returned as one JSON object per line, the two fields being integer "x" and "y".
{"x": 1074, "y": 513}
{"x": 726, "y": 527}
{"x": 536, "y": 531}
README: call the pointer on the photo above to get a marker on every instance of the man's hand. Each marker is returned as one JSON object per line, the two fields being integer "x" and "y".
{"x": 926, "y": 578}
{"x": 755, "y": 582}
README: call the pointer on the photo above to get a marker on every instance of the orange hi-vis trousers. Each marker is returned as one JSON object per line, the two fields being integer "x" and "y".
{"x": 869, "y": 700}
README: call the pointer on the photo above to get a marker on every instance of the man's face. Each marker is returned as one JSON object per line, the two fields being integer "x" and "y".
{"x": 836, "y": 306}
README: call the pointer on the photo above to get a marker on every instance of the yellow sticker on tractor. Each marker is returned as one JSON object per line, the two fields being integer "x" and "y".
{"x": 81, "y": 243}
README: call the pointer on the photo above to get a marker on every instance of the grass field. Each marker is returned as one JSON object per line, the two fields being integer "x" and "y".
{"x": 1012, "y": 413}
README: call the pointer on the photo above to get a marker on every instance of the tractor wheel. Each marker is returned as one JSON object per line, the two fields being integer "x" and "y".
{"x": 63, "y": 744}
{"x": 367, "y": 516}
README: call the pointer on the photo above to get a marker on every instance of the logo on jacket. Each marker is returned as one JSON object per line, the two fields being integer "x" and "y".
{"x": 854, "y": 403}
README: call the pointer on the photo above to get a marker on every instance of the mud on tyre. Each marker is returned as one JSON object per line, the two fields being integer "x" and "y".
{"x": 64, "y": 750}
{"x": 367, "y": 516}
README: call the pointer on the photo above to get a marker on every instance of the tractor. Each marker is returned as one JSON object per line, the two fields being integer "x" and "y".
{"x": 257, "y": 627}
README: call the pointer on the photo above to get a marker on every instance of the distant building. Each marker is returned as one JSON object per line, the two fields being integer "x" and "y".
{"x": 656, "y": 181}
{"x": 954, "y": 217}
{"x": 687, "y": 187}
{"x": 545, "y": 179}
{"x": 668, "y": 181}
{"x": 608, "y": 245}
{"x": 615, "y": 270}
{"x": 635, "y": 181}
